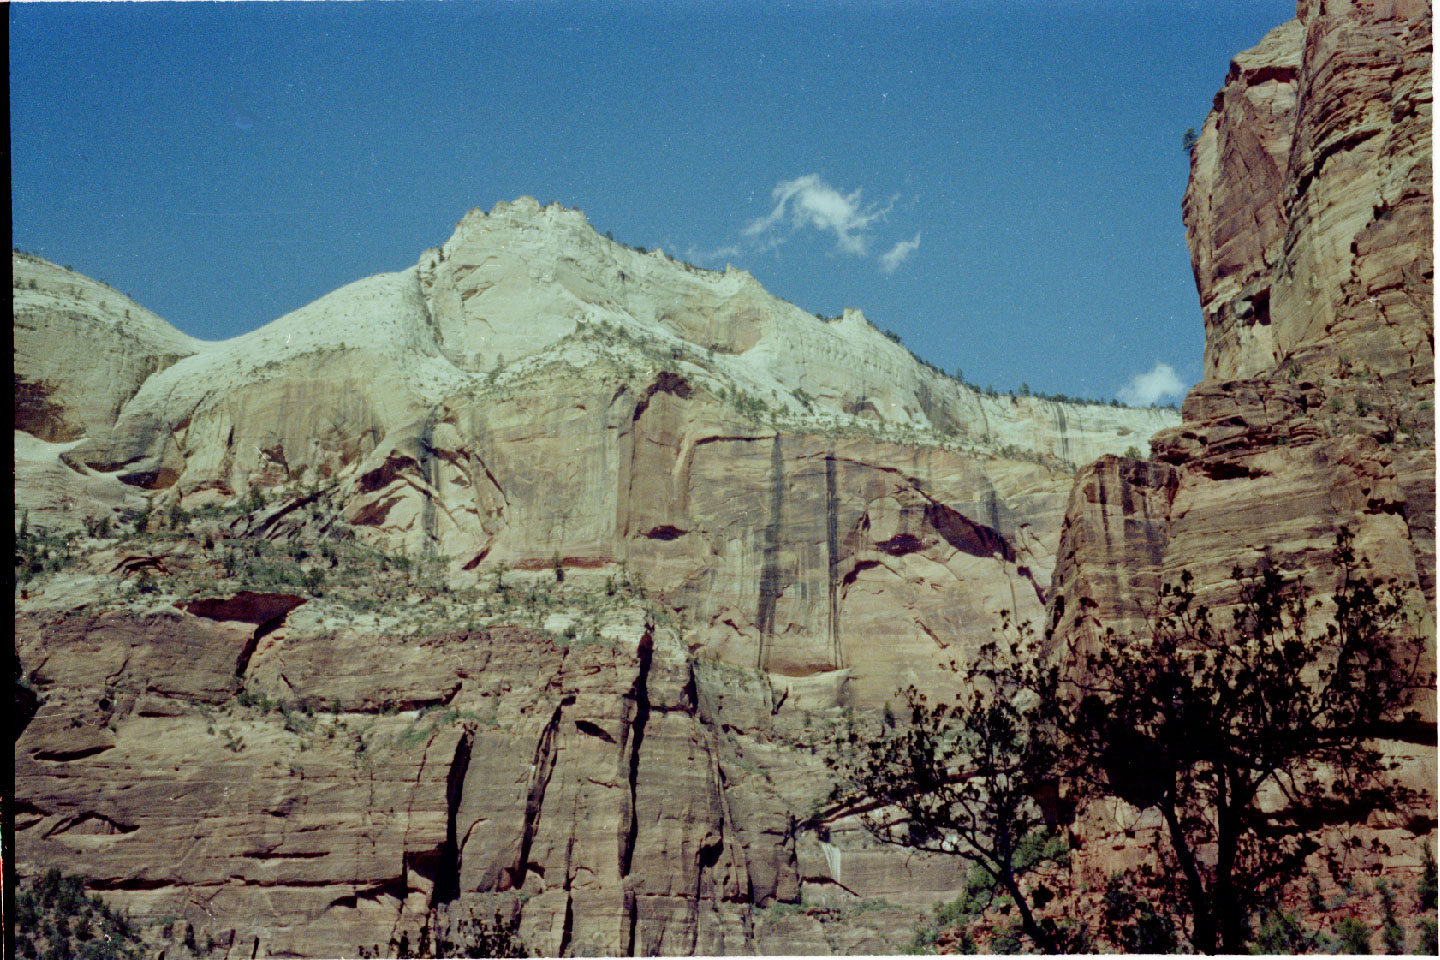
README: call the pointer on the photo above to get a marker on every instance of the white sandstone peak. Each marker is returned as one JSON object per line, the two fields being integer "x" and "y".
{"x": 523, "y": 288}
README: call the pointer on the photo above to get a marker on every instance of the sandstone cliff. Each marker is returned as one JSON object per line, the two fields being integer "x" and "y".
{"x": 82, "y": 350}
{"x": 1309, "y": 217}
{"x": 530, "y": 576}
{"x": 1310, "y": 204}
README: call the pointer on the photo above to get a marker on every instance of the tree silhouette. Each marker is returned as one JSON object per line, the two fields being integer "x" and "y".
{"x": 1250, "y": 738}
{"x": 964, "y": 779}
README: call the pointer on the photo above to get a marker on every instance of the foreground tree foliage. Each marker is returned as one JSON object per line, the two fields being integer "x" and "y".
{"x": 1248, "y": 733}
{"x": 469, "y": 937}
{"x": 1202, "y": 722}
{"x": 963, "y": 779}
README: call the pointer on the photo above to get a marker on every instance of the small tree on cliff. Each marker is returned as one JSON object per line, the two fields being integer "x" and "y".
{"x": 964, "y": 779}
{"x": 1249, "y": 738}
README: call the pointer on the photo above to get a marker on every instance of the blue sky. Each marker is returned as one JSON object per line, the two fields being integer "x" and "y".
{"x": 999, "y": 183}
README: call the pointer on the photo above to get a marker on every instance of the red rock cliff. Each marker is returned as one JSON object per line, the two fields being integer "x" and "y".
{"x": 1308, "y": 215}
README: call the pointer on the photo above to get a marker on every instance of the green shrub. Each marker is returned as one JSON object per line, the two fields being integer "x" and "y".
{"x": 1132, "y": 923}
{"x": 1281, "y": 932}
{"x": 1354, "y": 936}
{"x": 38, "y": 551}
{"x": 55, "y": 918}
{"x": 1429, "y": 937}
{"x": 1428, "y": 877}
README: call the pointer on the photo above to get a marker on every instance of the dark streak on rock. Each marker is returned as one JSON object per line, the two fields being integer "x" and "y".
{"x": 832, "y": 553}
{"x": 447, "y": 872}
{"x": 636, "y": 714}
{"x": 770, "y": 586}
{"x": 544, "y": 766}
{"x": 66, "y": 756}
{"x": 593, "y": 730}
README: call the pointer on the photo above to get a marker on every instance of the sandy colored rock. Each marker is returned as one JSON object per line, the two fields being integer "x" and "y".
{"x": 81, "y": 350}
{"x": 697, "y": 527}
{"x": 1310, "y": 202}
{"x": 1308, "y": 217}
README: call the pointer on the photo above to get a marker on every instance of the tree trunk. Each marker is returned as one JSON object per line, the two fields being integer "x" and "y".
{"x": 1227, "y": 907}
{"x": 1027, "y": 919}
{"x": 1204, "y": 935}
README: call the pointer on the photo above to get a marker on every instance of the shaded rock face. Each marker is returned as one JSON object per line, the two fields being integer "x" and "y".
{"x": 81, "y": 350}
{"x": 1308, "y": 216}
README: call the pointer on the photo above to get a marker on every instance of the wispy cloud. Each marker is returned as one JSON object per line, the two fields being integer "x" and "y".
{"x": 809, "y": 201}
{"x": 1147, "y": 388}
{"x": 899, "y": 253}
{"x": 715, "y": 255}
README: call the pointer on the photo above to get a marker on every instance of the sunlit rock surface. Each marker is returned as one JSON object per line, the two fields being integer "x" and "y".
{"x": 1309, "y": 217}
{"x": 763, "y": 519}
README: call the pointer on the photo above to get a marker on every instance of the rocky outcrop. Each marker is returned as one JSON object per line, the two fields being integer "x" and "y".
{"x": 326, "y": 790}
{"x": 1310, "y": 205}
{"x": 732, "y": 522}
{"x": 82, "y": 350}
{"x": 1316, "y": 411}
{"x": 1308, "y": 216}
{"x": 789, "y": 484}
{"x": 673, "y": 530}
{"x": 519, "y": 290}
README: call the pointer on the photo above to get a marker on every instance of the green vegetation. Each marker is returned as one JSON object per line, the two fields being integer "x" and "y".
{"x": 901, "y": 777}
{"x": 1132, "y": 922}
{"x": 39, "y": 551}
{"x": 1353, "y": 936}
{"x": 56, "y": 920}
{"x": 976, "y": 896}
{"x": 470, "y": 937}
{"x": 1193, "y": 719}
{"x": 1197, "y": 718}
{"x": 1282, "y": 932}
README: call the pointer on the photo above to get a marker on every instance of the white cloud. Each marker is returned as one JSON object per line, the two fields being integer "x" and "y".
{"x": 810, "y": 201}
{"x": 898, "y": 254}
{"x": 1147, "y": 388}
{"x": 701, "y": 255}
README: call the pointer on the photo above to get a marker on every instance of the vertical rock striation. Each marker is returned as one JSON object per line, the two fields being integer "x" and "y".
{"x": 1308, "y": 216}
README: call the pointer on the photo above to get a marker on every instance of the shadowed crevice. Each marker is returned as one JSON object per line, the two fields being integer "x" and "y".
{"x": 770, "y": 585}
{"x": 447, "y": 872}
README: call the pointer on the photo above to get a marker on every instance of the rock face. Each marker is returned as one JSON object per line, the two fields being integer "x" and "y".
{"x": 771, "y": 474}
{"x": 82, "y": 350}
{"x": 763, "y": 520}
{"x": 1310, "y": 205}
{"x": 596, "y": 549}
{"x": 1308, "y": 216}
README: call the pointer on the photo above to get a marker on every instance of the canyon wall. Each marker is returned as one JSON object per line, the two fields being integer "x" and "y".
{"x": 537, "y": 576}
{"x": 1309, "y": 215}
{"x": 534, "y": 577}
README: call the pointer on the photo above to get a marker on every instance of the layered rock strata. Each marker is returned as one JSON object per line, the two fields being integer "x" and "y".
{"x": 805, "y": 516}
{"x": 1309, "y": 221}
